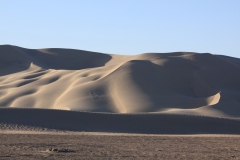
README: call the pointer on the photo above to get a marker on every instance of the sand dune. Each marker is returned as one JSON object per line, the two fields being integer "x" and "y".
{"x": 67, "y": 79}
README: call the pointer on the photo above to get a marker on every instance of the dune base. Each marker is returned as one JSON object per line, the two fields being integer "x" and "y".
{"x": 116, "y": 123}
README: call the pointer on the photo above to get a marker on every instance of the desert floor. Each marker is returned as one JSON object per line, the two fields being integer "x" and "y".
{"x": 36, "y": 145}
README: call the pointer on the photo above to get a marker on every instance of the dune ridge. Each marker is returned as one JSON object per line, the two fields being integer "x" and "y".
{"x": 170, "y": 83}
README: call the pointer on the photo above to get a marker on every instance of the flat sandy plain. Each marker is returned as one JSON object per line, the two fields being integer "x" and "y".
{"x": 180, "y": 105}
{"x": 35, "y": 145}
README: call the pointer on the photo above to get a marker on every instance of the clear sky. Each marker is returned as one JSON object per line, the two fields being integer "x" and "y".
{"x": 123, "y": 26}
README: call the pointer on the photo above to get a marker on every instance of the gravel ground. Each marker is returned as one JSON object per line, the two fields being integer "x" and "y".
{"x": 37, "y": 145}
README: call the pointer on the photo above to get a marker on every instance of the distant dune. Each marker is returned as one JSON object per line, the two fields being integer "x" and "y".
{"x": 183, "y": 83}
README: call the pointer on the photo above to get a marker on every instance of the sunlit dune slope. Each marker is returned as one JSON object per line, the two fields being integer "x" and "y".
{"x": 179, "y": 82}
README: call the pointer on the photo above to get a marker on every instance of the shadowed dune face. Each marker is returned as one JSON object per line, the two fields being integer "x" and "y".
{"x": 179, "y": 83}
{"x": 11, "y": 61}
{"x": 142, "y": 83}
{"x": 64, "y": 59}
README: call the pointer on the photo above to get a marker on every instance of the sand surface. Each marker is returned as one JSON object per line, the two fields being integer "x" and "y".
{"x": 146, "y": 123}
{"x": 117, "y": 146}
{"x": 67, "y": 79}
{"x": 151, "y": 93}
{"x": 179, "y": 105}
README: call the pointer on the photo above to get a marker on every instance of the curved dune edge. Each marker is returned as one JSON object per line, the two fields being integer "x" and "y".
{"x": 67, "y": 79}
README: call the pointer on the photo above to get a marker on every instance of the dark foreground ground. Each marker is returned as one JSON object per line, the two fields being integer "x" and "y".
{"x": 118, "y": 146}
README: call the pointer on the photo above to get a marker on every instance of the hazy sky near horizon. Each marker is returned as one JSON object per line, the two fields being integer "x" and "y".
{"x": 123, "y": 26}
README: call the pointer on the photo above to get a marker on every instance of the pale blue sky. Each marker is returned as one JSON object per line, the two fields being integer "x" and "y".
{"x": 123, "y": 26}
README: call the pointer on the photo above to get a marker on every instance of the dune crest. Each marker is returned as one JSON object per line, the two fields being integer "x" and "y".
{"x": 67, "y": 79}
